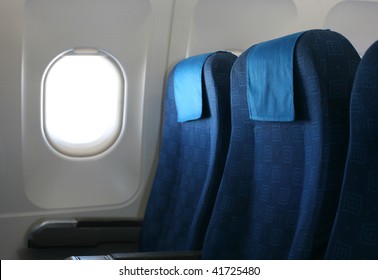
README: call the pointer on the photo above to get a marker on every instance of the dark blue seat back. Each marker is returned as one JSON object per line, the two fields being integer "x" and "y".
{"x": 192, "y": 157}
{"x": 279, "y": 191}
{"x": 355, "y": 232}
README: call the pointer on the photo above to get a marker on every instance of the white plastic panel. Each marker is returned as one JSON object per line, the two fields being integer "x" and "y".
{"x": 236, "y": 24}
{"x": 120, "y": 27}
{"x": 357, "y": 21}
{"x": 32, "y": 33}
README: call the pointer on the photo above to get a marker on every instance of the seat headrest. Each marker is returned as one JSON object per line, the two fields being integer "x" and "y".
{"x": 270, "y": 88}
{"x": 187, "y": 85}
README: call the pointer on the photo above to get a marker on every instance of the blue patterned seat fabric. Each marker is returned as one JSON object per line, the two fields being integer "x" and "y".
{"x": 279, "y": 192}
{"x": 192, "y": 157}
{"x": 355, "y": 233}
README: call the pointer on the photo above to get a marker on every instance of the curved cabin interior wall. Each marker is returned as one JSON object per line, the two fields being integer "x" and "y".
{"x": 122, "y": 28}
{"x": 147, "y": 38}
{"x": 354, "y": 19}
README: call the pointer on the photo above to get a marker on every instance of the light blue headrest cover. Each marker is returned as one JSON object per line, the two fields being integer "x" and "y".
{"x": 270, "y": 79}
{"x": 187, "y": 84}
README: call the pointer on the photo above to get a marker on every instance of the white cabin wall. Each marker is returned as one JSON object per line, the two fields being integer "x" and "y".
{"x": 356, "y": 20}
{"x": 178, "y": 29}
{"x": 10, "y": 102}
{"x": 12, "y": 231}
{"x": 17, "y": 212}
{"x": 311, "y": 14}
{"x": 209, "y": 25}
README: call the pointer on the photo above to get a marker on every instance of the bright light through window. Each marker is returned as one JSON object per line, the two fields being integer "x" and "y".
{"x": 83, "y": 102}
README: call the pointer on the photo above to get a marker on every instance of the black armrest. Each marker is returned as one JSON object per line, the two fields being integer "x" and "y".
{"x": 170, "y": 255}
{"x": 83, "y": 232}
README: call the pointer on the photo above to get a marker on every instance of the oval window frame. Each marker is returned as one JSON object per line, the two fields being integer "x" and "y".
{"x": 104, "y": 143}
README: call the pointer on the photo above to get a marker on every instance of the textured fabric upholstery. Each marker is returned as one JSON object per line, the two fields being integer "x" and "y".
{"x": 280, "y": 188}
{"x": 192, "y": 157}
{"x": 355, "y": 233}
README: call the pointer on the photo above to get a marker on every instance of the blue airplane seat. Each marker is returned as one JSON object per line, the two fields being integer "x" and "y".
{"x": 355, "y": 232}
{"x": 196, "y": 133}
{"x": 281, "y": 184}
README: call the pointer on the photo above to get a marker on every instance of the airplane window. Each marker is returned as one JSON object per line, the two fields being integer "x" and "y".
{"x": 83, "y": 102}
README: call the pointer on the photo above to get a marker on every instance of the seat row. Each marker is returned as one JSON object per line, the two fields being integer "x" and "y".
{"x": 270, "y": 155}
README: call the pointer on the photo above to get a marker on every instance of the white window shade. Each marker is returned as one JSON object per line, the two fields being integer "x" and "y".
{"x": 83, "y": 102}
